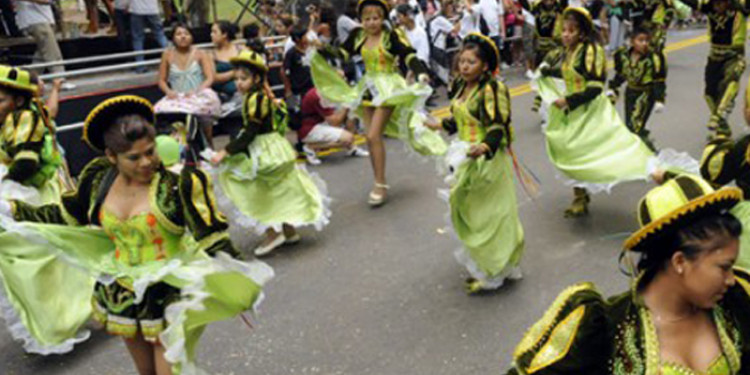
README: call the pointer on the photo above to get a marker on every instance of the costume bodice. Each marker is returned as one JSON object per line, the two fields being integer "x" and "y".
{"x": 469, "y": 127}
{"x": 139, "y": 239}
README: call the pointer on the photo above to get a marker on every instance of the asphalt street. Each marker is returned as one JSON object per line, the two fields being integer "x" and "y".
{"x": 379, "y": 292}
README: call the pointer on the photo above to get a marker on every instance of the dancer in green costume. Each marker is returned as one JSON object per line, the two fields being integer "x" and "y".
{"x": 645, "y": 72}
{"x": 382, "y": 99}
{"x": 483, "y": 207}
{"x": 586, "y": 139}
{"x": 261, "y": 185}
{"x": 686, "y": 312}
{"x": 153, "y": 255}
{"x": 29, "y": 160}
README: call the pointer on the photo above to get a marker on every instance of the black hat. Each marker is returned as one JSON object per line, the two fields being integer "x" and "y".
{"x": 105, "y": 114}
{"x": 488, "y": 47}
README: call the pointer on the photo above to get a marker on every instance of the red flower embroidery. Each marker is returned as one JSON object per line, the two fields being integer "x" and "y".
{"x": 151, "y": 220}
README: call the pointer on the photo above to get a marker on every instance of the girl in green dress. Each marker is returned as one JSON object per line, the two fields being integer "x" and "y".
{"x": 482, "y": 199}
{"x": 153, "y": 259}
{"x": 261, "y": 185}
{"x": 382, "y": 99}
{"x": 686, "y": 313}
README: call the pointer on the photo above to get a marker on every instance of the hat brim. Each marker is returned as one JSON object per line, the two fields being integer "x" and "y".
{"x": 104, "y": 115}
{"x": 720, "y": 200}
{"x": 488, "y": 45}
{"x": 238, "y": 61}
{"x": 31, "y": 89}
{"x": 380, "y": 3}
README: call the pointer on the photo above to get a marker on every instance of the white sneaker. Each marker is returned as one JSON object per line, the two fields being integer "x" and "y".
{"x": 67, "y": 86}
{"x": 293, "y": 239}
{"x": 358, "y": 151}
{"x": 267, "y": 249}
{"x": 310, "y": 155}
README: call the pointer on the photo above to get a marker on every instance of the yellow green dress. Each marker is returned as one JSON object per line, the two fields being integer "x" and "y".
{"x": 482, "y": 197}
{"x": 168, "y": 272}
{"x": 381, "y": 86}
{"x": 588, "y": 142}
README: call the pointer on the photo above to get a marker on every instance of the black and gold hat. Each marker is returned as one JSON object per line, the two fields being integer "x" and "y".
{"x": 104, "y": 115}
{"x": 251, "y": 59}
{"x": 488, "y": 46}
{"x": 17, "y": 78}
{"x": 722, "y": 158}
{"x": 583, "y": 16}
{"x": 381, "y": 3}
{"x": 676, "y": 203}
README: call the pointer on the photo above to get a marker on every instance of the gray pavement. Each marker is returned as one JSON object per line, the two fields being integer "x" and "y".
{"x": 378, "y": 291}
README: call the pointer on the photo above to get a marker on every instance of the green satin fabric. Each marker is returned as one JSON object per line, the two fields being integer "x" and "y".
{"x": 268, "y": 188}
{"x": 484, "y": 214}
{"x": 54, "y": 302}
{"x": 719, "y": 367}
{"x": 591, "y": 143}
{"x": 140, "y": 238}
{"x": 742, "y": 212}
{"x": 387, "y": 90}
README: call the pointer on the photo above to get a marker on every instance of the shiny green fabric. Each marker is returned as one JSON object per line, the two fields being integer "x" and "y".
{"x": 268, "y": 188}
{"x": 591, "y": 144}
{"x": 719, "y": 367}
{"x": 742, "y": 212}
{"x": 484, "y": 213}
{"x": 382, "y": 90}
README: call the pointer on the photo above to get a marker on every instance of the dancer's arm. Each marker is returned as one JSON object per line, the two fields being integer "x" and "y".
{"x": 401, "y": 47}
{"x": 28, "y": 140}
{"x": 592, "y": 65}
{"x": 496, "y": 112}
{"x": 75, "y": 205}
{"x": 660, "y": 77}
{"x": 256, "y": 108}
{"x": 202, "y": 217}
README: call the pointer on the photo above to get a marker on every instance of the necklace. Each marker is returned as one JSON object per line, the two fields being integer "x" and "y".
{"x": 680, "y": 318}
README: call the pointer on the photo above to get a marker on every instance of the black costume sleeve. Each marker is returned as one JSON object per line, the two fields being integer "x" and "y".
{"x": 204, "y": 220}
{"x": 619, "y": 78}
{"x": 344, "y": 51}
{"x": 28, "y": 141}
{"x": 660, "y": 76}
{"x": 496, "y": 114}
{"x": 74, "y": 208}
{"x": 400, "y": 46}
{"x": 571, "y": 338}
{"x": 592, "y": 65}
{"x": 255, "y": 109}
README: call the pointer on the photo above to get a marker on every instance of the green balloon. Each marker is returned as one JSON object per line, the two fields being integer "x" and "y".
{"x": 168, "y": 149}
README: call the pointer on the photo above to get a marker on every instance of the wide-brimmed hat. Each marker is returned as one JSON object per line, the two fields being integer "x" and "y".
{"x": 381, "y": 3}
{"x": 105, "y": 114}
{"x": 488, "y": 47}
{"x": 251, "y": 59}
{"x": 583, "y": 16}
{"x": 720, "y": 160}
{"x": 677, "y": 203}
{"x": 17, "y": 78}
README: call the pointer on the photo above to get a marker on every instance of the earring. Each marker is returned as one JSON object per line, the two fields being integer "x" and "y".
{"x": 679, "y": 270}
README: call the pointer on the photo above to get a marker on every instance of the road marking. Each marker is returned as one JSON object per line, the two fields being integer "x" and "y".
{"x": 526, "y": 88}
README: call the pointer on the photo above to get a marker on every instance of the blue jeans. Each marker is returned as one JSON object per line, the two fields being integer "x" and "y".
{"x": 138, "y": 26}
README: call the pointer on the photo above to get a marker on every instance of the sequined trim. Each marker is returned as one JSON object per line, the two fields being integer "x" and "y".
{"x": 559, "y": 342}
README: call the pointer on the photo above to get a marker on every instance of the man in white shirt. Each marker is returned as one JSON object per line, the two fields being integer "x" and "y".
{"x": 35, "y": 18}
{"x": 414, "y": 4}
{"x": 493, "y": 13}
{"x": 145, "y": 13}
{"x": 417, "y": 35}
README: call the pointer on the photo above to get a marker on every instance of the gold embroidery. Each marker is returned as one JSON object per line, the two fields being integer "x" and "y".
{"x": 156, "y": 209}
{"x": 489, "y": 102}
{"x": 559, "y": 342}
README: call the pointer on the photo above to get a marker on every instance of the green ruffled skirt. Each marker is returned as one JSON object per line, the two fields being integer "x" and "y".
{"x": 484, "y": 215}
{"x": 382, "y": 90}
{"x": 46, "y": 306}
{"x": 592, "y": 147}
{"x": 268, "y": 188}
{"x": 742, "y": 212}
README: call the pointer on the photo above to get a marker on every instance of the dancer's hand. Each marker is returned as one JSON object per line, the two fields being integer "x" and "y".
{"x": 658, "y": 176}
{"x": 658, "y": 107}
{"x": 561, "y": 103}
{"x": 478, "y": 150}
{"x": 424, "y": 79}
{"x": 432, "y": 123}
{"x": 219, "y": 156}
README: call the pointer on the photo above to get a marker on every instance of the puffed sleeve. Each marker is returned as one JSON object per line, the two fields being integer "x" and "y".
{"x": 495, "y": 115}
{"x": 660, "y": 76}
{"x": 592, "y": 65}
{"x": 400, "y": 46}
{"x": 346, "y": 50}
{"x": 720, "y": 163}
{"x": 28, "y": 142}
{"x": 570, "y": 339}
{"x": 736, "y": 304}
{"x": 75, "y": 205}
{"x": 202, "y": 217}
{"x": 255, "y": 110}
{"x": 619, "y": 58}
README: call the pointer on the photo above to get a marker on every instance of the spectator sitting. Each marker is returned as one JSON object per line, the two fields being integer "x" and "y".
{"x": 185, "y": 76}
{"x": 322, "y": 127}
{"x": 222, "y": 36}
{"x": 35, "y": 18}
{"x": 417, "y": 35}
